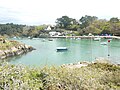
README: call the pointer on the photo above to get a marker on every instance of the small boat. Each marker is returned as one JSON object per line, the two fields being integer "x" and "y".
{"x": 14, "y": 37}
{"x": 29, "y": 37}
{"x": 50, "y": 39}
{"x": 78, "y": 38}
{"x": 35, "y": 38}
{"x": 43, "y": 40}
{"x": 103, "y": 43}
{"x": 97, "y": 39}
{"x": 62, "y": 48}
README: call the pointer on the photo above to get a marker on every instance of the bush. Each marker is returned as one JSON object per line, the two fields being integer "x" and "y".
{"x": 92, "y": 77}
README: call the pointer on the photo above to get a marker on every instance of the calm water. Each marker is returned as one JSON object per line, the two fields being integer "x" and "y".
{"x": 78, "y": 50}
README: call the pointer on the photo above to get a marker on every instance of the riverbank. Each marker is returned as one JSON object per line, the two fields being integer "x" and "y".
{"x": 9, "y": 48}
{"x": 94, "y": 76}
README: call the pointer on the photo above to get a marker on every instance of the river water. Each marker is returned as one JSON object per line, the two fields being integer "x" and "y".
{"x": 78, "y": 50}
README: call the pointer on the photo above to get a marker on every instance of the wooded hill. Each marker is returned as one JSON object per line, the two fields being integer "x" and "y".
{"x": 83, "y": 26}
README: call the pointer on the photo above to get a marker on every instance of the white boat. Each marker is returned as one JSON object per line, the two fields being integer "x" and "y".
{"x": 97, "y": 39}
{"x": 35, "y": 38}
{"x": 61, "y": 48}
{"x": 78, "y": 38}
{"x": 103, "y": 43}
{"x": 29, "y": 37}
{"x": 43, "y": 40}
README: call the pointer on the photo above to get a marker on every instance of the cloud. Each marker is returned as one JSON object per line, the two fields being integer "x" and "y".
{"x": 6, "y": 15}
{"x": 47, "y": 11}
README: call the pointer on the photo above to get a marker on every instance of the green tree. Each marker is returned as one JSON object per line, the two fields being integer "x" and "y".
{"x": 64, "y": 22}
{"x": 87, "y": 20}
{"x": 41, "y": 27}
{"x": 114, "y": 20}
{"x": 74, "y": 25}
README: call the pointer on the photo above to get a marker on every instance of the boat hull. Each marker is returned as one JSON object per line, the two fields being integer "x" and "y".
{"x": 62, "y": 49}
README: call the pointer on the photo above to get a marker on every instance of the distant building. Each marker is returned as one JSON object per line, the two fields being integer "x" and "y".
{"x": 90, "y": 34}
{"x": 54, "y": 33}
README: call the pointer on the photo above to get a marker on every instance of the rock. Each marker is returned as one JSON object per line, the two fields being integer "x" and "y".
{"x": 85, "y": 62}
{"x": 19, "y": 52}
{"x": 2, "y": 54}
{"x": 102, "y": 60}
{"x": 9, "y": 53}
{"x": 17, "y": 49}
{"x": 14, "y": 49}
{"x": 3, "y": 40}
{"x": 76, "y": 65}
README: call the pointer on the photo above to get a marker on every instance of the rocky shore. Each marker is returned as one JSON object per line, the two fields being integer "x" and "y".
{"x": 86, "y": 63}
{"x": 12, "y": 48}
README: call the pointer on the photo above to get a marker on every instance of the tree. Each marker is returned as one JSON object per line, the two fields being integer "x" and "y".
{"x": 64, "y": 22}
{"x": 87, "y": 20}
{"x": 11, "y": 29}
{"x": 115, "y": 26}
{"x": 114, "y": 20}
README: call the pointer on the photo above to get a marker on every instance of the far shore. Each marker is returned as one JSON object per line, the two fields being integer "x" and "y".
{"x": 109, "y": 37}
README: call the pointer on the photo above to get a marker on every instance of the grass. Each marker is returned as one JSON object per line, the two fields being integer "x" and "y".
{"x": 92, "y": 77}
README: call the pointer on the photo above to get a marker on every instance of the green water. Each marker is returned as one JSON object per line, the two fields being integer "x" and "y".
{"x": 78, "y": 50}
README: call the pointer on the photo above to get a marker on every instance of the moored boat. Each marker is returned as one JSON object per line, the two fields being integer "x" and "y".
{"x": 61, "y": 48}
{"x": 103, "y": 43}
{"x": 97, "y": 39}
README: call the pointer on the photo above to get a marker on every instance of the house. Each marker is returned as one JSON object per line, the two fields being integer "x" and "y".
{"x": 54, "y": 33}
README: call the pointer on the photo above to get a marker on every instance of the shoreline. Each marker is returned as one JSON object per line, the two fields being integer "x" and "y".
{"x": 13, "y": 50}
{"x": 86, "y": 63}
{"x": 87, "y": 37}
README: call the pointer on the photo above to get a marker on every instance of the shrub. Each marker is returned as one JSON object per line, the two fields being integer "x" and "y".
{"x": 92, "y": 77}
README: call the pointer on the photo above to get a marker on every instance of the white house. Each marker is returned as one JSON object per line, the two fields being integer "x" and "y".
{"x": 54, "y": 33}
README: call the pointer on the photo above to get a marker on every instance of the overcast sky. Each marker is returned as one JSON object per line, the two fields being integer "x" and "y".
{"x": 37, "y": 12}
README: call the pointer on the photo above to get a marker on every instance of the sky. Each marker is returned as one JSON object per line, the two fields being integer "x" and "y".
{"x": 37, "y": 12}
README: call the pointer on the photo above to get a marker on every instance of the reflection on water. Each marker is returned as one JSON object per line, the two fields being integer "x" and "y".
{"x": 78, "y": 50}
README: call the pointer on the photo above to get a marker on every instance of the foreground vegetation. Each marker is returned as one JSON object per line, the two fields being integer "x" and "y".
{"x": 92, "y": 77}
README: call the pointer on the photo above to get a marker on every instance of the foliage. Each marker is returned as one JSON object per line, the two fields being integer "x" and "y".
{"x": 92, "y": 29}
{"x": 41, "y": 27}
{"x": 90, "y": 24}
{"x": 63, "y": 22}
{"x": 11, "y": 29}
{"x": 86, "y": 24}
{"x": 92, "y": 77}
{"x": 114, "y": 20}
{"x": 87, "y": 20}
{"x": 67, "y": 23}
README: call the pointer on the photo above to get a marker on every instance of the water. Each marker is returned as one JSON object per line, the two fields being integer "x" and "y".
{"x": 78, "y": 50}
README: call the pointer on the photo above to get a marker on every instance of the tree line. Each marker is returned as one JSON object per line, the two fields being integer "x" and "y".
{"x": 11, "y": 30}
{"x": 90, "y": 24}
{"x": 85, "y": 25}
